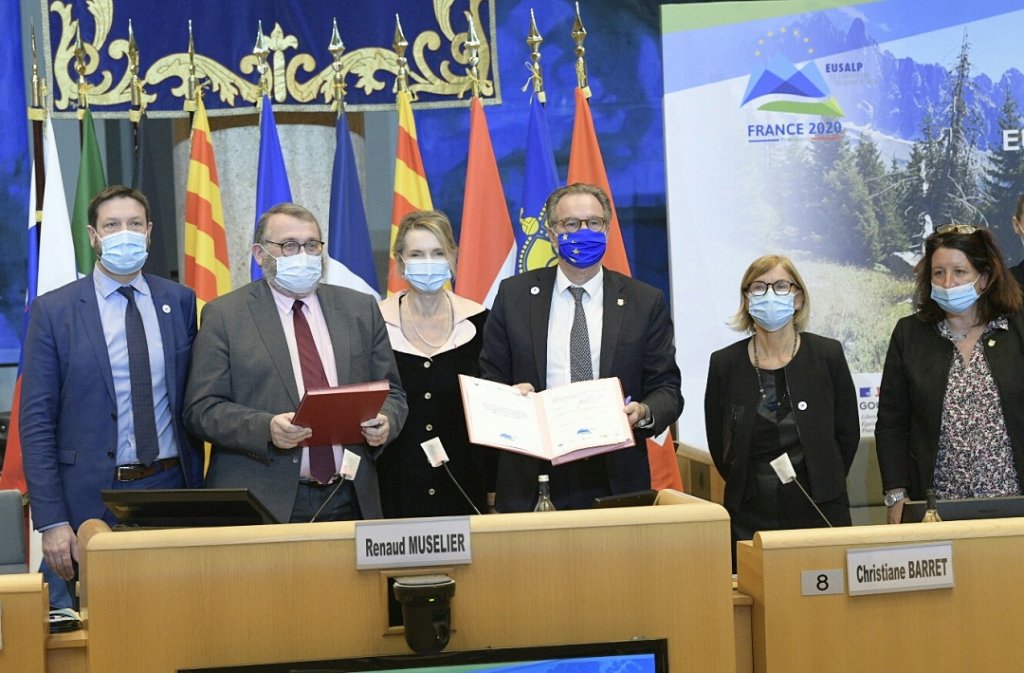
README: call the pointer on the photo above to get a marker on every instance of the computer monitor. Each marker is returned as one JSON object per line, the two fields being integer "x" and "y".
{"x": 634, "y": 656}
{"x": 967, "y": 508}
{"x": 186, "y": 508}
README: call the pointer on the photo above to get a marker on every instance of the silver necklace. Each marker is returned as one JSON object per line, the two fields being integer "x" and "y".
{"x": 448, "y": 332}
{"x": 757, "y": 368}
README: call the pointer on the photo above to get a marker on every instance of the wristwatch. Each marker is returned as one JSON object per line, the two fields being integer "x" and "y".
{"x": 893, "y": 498}
{"x": 647, "y": 421}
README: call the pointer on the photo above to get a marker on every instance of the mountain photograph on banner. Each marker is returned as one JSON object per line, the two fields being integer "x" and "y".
{"x": 840, "y": 137}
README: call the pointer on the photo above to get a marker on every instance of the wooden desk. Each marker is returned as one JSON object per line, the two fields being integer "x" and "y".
{"x": 24, "y": 623}
{"x": 162, "y": 600}
{"x": 976, "y": 626}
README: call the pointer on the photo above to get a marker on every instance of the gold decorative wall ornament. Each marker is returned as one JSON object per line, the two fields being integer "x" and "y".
{"x": 295, "y": 79}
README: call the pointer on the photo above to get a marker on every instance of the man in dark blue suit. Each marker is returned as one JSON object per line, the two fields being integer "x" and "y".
{"x": 90, "y": 346}
{"x": 550, "y": 327}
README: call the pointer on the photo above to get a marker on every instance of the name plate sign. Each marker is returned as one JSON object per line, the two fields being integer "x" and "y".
{"x": 918, "y": 567}
{"x": 413, "y": 542}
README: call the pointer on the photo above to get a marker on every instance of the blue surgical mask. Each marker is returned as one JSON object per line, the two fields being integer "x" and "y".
{"x": 427, "y": 275}
{"x": 771, "y": 311}
{"x": 123, "y": 253}
{"x": 955, "y": 299}
{"x": 299, "y": 274}
{"x": 583, "y": 248}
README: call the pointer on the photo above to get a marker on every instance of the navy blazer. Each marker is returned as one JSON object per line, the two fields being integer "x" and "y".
{"x": 914, "y": 382}
{"x": 68, "y": 411}
{"x": 636, "y": 346}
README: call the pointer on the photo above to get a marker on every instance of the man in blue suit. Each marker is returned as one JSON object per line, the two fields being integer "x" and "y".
{"x": 88, "y": 422}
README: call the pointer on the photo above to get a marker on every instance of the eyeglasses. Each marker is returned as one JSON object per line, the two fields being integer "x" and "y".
{"x": 966, "y": 229}
{"x": 780, "y": 287}
{"x": 573, "y": 224}
{"x": 289, "y": 248}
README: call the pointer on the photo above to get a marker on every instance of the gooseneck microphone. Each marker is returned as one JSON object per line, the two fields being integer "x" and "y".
{"x": 438, "y": 457}
{"x": 783, "y": 467}
{"x": 349, "y": 467}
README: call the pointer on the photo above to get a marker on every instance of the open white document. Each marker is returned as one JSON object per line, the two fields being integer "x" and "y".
{"x": 560, "y": 424}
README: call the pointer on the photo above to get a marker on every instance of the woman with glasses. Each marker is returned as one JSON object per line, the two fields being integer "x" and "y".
{"x": 436, "y": 335}
{"x": 780, "y": 391}
{"x": 951, "y": 408}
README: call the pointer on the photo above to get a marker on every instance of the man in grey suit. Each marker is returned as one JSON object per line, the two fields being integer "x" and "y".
{"x": 252, "y": 361}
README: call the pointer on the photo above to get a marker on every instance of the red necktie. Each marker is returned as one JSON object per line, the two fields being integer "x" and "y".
{"x": 321, "y": 458}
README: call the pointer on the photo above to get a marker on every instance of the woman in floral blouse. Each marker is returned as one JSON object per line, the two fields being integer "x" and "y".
{"x": 951, "y": 407}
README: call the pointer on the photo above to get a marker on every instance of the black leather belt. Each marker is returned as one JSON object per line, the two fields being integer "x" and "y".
{"x": 139, "y": 471}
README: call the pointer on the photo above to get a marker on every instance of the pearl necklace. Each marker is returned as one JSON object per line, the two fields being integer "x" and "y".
{"x": 448, "y": 332}
{"x": 757, "y": 368}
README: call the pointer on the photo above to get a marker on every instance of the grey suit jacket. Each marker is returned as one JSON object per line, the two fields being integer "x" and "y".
{"x": 242, "y": 376}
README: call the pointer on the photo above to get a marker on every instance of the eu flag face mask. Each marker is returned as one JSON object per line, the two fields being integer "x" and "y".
{"x": 583, "y": 248}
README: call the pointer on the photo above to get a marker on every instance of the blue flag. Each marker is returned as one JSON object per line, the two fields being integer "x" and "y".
{"x": 271, "y": 177}
{"x": 350, "y": 256}
{"x": 540, "y": 178}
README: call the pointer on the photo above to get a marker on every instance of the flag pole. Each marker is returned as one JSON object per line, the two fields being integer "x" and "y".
{"x": 533, "y": 41}
{"x": 138, "y": 108}
{"x": 37, "y": 113}
{"x": 338, "y": 86}
{"x": 579, "y": 33}
{"x": 260, "y": 50}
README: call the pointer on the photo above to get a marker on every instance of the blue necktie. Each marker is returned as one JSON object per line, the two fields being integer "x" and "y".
{"x": 146, "y": 445}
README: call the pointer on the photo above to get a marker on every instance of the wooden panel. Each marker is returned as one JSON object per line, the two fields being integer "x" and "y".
{"x": 24, "y": 622}
{"x": 162, "y": 600}
{"x": 972, "y": 627}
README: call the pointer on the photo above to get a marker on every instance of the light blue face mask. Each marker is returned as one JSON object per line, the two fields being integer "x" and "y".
{"x": 123, "y": 253}
{"x": 427, "y": 275}
{"x": 771, "y": 311}
{"x": 955, "y": 299}
{"x": 298, "y": 274}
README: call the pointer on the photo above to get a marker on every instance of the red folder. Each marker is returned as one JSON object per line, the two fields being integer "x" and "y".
{"x": 334, "y": 414}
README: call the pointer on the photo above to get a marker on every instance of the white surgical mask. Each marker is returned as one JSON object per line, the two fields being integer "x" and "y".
{"x": 123, "y": 253}
{"x": 298, "y": 274}
{"x": 427, "y": 275}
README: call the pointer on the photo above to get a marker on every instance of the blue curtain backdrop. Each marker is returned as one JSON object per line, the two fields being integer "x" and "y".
{"x": 14, "y": 185}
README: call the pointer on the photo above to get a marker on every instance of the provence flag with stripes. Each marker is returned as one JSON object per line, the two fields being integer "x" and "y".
{"x": 207, "y": 270}
{"x": 411, "y": 189}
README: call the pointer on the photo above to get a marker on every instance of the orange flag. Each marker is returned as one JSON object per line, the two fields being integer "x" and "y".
{"x": 411, "y": 189}
{"x": 206, "y": 243}
{"x": 487, "y": 245}
{"x": 587, "y": 165}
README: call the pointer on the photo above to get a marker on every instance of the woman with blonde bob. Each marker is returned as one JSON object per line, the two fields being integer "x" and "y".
{"x": 436, "y": 335}
{"x": 780, "y": 391}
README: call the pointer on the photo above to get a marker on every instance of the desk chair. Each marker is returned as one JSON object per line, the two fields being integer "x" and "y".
{"x": 12, "y": 534}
